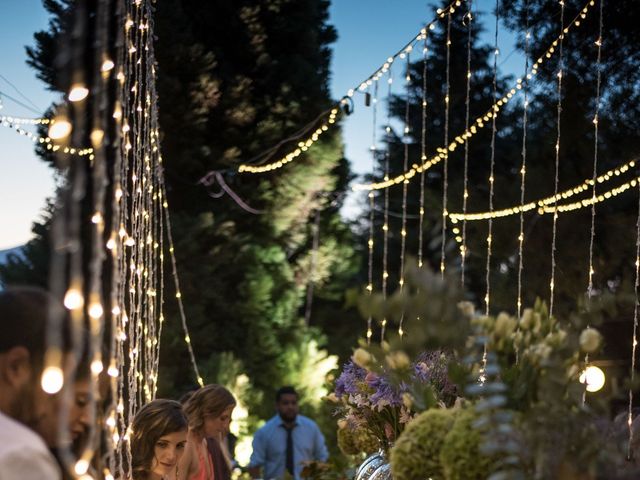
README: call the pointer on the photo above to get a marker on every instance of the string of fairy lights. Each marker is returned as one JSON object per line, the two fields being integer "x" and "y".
{"x": 492, "y": 161}
{"x": 55, "y": 132}
{"x": 331, "y": 115}
{"x": 423, "y": 152}
{"x": 545, "y": 205}
{"x": 591, "y": 271}
{"x": 405, "y": 162}
{"x": 131, "y": 216}
{"x": 481, "y": 120}
{"x": 523, "y": 166}
{"x": 385, "y": 225}
{"x": 127, "y": 226}
{"x": 445, "y": 174}
{"x": 371, "y": 196}
{"x": 465, "y": 169}
{"x": 554, "y": 229}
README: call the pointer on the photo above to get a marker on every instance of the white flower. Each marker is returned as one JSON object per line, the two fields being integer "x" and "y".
{"x": 505, "y": 325}
{"x": 361, "y": 357}
{"x": 590, "y": 340}
{"x": 398, "y": 360}
{"x": 405, "y": 416}
{"x": 527, "y": 319}
{"x": 407, "y": 400}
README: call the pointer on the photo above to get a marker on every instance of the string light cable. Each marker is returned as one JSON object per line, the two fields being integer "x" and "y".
{"x": 445, "y": 173}
{"x": 523, "y": 167}
{"x": 465, "y": 173}
{"x": 371, "y": 195}
{"x": 423, "y": 149}
{"x": 304, "y": 144}
{"x": 481, "y": 121}
{"x": 14, "y": 123}
{"x": 496, "y": 52}
{"x": 405, "y": 162}
{"x": 546, "y": 205}
{"x": 554, "y": 230}
{"x": 598, "y": 44}
{"x": 385, "y": 225}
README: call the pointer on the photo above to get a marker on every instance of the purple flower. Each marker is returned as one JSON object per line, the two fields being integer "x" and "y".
{"x": 348, "y": 382}
{"x": 432, "y": 367}
{"x": 384, "y": 394}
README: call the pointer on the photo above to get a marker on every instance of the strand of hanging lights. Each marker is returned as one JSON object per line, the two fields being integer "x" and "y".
{"x": 552, "y": 283}
{"x": 545, "y": 205}
{"x": 405, "y": 161}
{"x": 445, "y": 153}
{"x": 385, "y": 225}
{"x": 591, "y": 272}
{"x": 481, "y": 120}
{"x": 494, "y": 131}
{"x": 331, "y": 115}
{"x": 371, "y": 197}
{"x": 465, "y": 172}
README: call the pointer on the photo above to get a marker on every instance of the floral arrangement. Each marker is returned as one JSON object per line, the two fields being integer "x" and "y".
{"x": 379, "y": 397}
{"x": 524, "y": 414}
{"x": 370, "y": 402}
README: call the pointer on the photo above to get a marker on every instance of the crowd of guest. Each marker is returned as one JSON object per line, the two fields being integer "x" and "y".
{"x": 169, "y": 440}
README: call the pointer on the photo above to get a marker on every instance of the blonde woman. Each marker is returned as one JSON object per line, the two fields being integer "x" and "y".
{"x": 209, "y": 411}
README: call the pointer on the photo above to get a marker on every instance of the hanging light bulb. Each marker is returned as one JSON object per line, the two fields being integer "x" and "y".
{"x": 52, "y": 379}
{"x": 60, "y": 128}
{"x": 593, "y": 377}
{"x": 78, "y": 92}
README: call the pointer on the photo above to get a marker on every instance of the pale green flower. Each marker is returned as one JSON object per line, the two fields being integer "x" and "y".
{"x": 361, "y": 357}
{"x": 590, "y": 340}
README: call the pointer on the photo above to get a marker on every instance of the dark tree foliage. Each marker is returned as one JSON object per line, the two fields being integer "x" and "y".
{"x": 481, "y": 94}
{"x": 618, "y": 143}
{"x": 235, "y": 78}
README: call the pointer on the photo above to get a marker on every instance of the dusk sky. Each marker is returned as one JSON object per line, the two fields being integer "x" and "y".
{"x": 369, "y": 31}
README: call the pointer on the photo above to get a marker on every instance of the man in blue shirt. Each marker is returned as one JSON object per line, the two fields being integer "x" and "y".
{"x": 286, "y": 441}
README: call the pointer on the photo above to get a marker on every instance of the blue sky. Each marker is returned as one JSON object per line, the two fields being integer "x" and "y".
{"x": 369, "y": 31}
{"x": 25, "y": 181}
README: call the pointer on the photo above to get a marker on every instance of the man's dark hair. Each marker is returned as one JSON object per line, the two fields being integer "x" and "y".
{"x": 23, "y": 321}
{"x": 287, "y": 390}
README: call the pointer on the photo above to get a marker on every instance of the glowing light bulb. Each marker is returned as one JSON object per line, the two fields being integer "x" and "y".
{"x": 60, "y": 128}
{"x": 73, "y": 299}
{"x": 78, "y": 92}
{"x": 97, "y": 367}
{"x": 81, "y": 466}
{"x": 593, "y": 378}
{"x": 107, "y": 65}
{"x": 52, "y": 379}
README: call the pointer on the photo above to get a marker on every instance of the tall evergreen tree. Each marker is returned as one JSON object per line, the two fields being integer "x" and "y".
{"x": 481, "y": 94}
{"x": 235, "y": 78}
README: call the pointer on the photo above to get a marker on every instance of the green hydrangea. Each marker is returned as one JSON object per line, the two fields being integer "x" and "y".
{"x": 354, "y": 441}
{"x": 416, "y": 454}
{"x": 347, "y": 441}
{"x": 460, "y": 454}
{"x": 366, "y": 441}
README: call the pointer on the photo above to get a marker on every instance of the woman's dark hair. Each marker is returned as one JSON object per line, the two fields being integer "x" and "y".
{"x": 156, "y": 419}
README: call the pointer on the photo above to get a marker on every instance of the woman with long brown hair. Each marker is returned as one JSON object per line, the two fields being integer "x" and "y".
{"x": 158, "y": 441}
{"x": 209, "y": 412}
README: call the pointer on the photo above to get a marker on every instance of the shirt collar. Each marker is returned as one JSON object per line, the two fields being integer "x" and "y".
{"x": 282, "y": 424}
